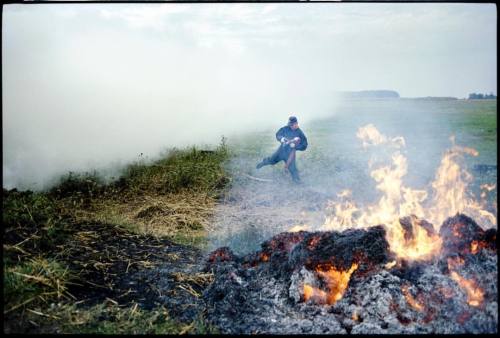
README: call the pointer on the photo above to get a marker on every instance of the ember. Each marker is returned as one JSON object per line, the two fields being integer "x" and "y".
{"x": 264, "y": 257}
{"x": 476, "y": 246}
{"x": 390, "y": 264}
{"x": 475, "y": 294}
{"x": 221, "y": 255}
{"x": 409, "y": 298}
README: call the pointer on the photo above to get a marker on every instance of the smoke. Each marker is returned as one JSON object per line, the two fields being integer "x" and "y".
{"x": 95, "y": 86}
{"x": 79, "y": 96}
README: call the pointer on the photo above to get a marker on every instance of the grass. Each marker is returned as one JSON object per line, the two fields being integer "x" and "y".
{"x": 175, "y": 171}
{"x": 172, "y": 197}
{"x": 478, "y": 126}
{"x": 34, "y": 281}
{"x": 181, "y": 217}
{"x": 110, "y": 318}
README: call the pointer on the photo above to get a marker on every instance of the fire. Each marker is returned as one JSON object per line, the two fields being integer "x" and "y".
{"x": 336, "y": 282}
{"x": 476, "y": 246}
{"x": 298, "y": 228}
{"x": 420, "y": 246}
{"x": 264, "y": 257}
{"x": 371, "y": 136}
{"x": 314, "y": 294}
{"x": 343, "y": 213}
{"x": 412, "y": 301}
{"x": 313, "y": 242}
{"x": 449, "y": 196}
{"x": 475, "y": 294}
{"x": 451, "y": 190}
{"x": 487, "y": 188}
{"x": 390, "y": 264}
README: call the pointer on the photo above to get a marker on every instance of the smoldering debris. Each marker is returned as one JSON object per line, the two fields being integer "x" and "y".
{"x": 350, "y": 282}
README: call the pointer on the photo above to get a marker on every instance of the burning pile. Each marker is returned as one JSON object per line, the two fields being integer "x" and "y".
{"x": 350, "y": 282}
{"x": 398, "y": 266}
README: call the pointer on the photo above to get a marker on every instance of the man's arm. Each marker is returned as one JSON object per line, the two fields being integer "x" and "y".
{"x": 303, "y": 142}
{"x": 280, "y": 134}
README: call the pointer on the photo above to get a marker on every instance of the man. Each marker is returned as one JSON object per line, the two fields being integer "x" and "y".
{"x": 291, "y": 139}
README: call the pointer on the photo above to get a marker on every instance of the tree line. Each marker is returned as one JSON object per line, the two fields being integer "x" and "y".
{"x": 476, "y": 96}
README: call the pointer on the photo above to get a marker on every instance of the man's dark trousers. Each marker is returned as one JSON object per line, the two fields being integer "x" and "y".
{"x": 282, "y": 154}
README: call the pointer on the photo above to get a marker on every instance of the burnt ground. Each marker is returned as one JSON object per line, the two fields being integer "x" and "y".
{"x": 113, "y": 265}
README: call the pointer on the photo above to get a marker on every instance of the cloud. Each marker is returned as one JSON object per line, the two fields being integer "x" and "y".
{"x": 155, "y": 16}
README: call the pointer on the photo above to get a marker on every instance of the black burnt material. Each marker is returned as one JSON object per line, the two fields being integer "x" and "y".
{"x": 367, "y": 247}
{"x": 410, "y": 271}
{"x": 459, "y": 232}
{"x": 224, "y": 254}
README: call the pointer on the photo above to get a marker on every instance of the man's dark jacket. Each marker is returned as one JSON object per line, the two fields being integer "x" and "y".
{"x": 289, "y": 133}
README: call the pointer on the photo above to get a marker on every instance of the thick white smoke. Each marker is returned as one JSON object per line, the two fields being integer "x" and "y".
{"x": 95, "y": 85}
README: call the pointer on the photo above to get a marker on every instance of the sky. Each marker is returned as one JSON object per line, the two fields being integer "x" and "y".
{"x": 94, "y": 85}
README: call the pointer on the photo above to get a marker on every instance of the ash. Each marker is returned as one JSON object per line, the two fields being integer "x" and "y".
{"x": 263, "y": 292}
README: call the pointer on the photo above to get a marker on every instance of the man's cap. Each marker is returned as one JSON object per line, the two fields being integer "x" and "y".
{"x": 292, "y": 120}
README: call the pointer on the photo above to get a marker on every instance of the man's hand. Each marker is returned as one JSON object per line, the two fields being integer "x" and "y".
{"x": 284, "y": 140}
{"x": 296, "y": 139}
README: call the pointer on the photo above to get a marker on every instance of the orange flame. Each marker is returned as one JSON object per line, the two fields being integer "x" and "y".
{"x": 451, "y": 190}
{"x": 476, "y": 246}
{"x": 475, "y": 294}
{"x": 390, "y": 265}
{"x": 410, "y": 300}
{"x": 421, "y": 246}
{"x": 264, "y": 257}
{"x": 450, "y": 195}
{"x": 336, "y": 282}
{"x": 314, "y": 294}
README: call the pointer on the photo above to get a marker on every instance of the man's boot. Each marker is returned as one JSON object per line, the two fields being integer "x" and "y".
{"x": 261, "y": 164}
